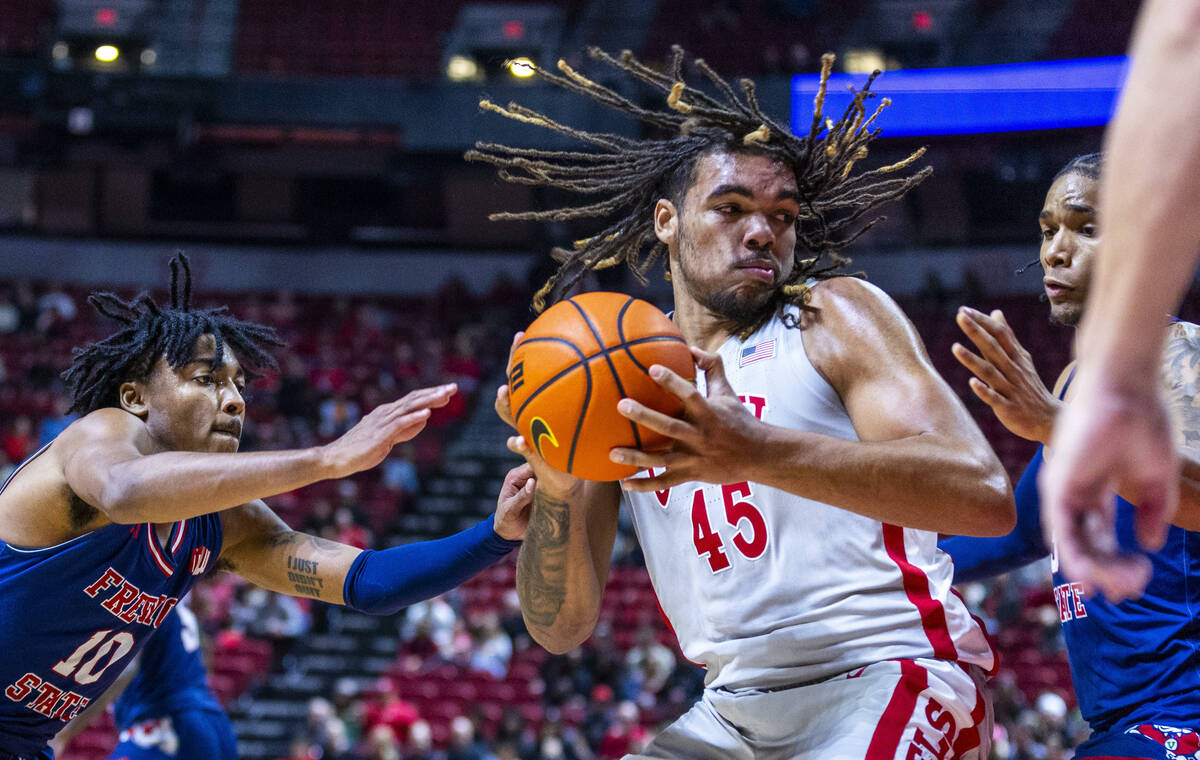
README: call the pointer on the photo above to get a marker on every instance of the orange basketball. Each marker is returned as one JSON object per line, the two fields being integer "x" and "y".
{"x": 575, "y": 362}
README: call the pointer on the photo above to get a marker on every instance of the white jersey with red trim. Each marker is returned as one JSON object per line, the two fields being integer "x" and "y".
{"x": 766, "y": 588}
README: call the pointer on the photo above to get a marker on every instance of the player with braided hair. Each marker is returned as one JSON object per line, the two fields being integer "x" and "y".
{"x": 105, "y": 528}
{"x": 790, "y": 530}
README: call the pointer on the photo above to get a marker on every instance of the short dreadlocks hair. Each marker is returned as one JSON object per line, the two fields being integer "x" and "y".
{"x": 630, "y": 175}
{"x": 1087, "y": 165}
{"x": 149, "y": 331}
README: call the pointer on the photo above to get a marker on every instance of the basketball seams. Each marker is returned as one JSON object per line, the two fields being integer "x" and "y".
{"x": 591, "y": 321}
{"x": 584, "y": 360}
{"x": 562, "y": 373}
{"x": 587, "y": 319}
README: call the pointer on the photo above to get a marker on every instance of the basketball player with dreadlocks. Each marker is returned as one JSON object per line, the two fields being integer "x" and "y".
{"x": 790, "y": 531}
{"x": 104, "y": 529}
{"x": 1135, "y": 663}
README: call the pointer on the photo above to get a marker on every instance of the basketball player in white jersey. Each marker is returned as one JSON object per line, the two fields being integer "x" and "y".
{"x": 792, "y": 538}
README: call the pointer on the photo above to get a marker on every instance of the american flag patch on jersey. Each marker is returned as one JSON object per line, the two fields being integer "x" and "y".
{"x": 200, "y": 557}
{"x": 757, "y": 352}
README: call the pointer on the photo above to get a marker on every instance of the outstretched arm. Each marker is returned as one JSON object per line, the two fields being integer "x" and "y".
{"x": 1006, "y": 380}
{"x": 265, "y": 551}
{"x": 920, "y": 461}
{"x": 1118, "y": 429}
{"x": 109, "y": 461}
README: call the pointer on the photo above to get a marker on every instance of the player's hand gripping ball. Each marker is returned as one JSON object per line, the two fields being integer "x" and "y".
{"x": 575, "y": 362}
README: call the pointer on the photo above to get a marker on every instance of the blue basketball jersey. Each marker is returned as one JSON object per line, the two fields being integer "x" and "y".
{"x": 171, "y": 675}
{"x": 1136, "y": 661}
{"x": 73, "y": 615}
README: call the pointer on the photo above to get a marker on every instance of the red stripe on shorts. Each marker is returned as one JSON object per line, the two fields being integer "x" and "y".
{"x": 916, "y": 585}
{"x": 896, "y": 716}
{"x": 969, "y": 739}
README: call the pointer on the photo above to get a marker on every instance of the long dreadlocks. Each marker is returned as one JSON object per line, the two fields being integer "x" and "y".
{"x": 150, "y": 331}
{"x": 631, "y": 175}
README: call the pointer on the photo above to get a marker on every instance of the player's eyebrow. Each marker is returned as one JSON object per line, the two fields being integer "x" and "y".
{"x": 732, "y": 188}
{"x": 1078, "y": 208}
{"x": 208, "y": 362}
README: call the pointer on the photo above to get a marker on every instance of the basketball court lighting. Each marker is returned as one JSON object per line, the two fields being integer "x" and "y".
{"x": 60, "y": 51}
{"x": 107, "y": 53}
{"x": 864, "y": 60}
{"x": 462, "y": 68}
{"x": 521, "y": 67}
{"x": 148, "y": 57}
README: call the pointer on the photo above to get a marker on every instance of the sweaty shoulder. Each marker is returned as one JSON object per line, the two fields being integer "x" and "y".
{"x": 850, "y": 324}
{"x": 109, "y": 425}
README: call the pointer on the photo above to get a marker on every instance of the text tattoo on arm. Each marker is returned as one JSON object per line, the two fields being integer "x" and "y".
{"x": 1181, "y": 370}
{"x": 542, "y": 563}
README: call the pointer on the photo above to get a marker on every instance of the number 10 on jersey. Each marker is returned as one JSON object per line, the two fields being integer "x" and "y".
{"x": 750, "y": 538}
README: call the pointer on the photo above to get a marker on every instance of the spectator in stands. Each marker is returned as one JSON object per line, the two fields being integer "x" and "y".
{"x": 349, "y": 531}
{"x": 420, "y": 743}
{"x": 625, "y": 734}
{"x": 10, "y": 315}
{"x": 53, "y": 424}
{"x": 27, "y": 310}
{"x": 464, "y": 744}
{"x": 338, "y": 414}
{"x": 387, "y": 708}
{"x": 381, "y": 744}
{"x": 56, "y": 308}
{"x": 649, "y": 663}
{"x": 400, "y": 472}
{"x": 294, "y": 396}
{"x": 323, "y": 731}
{"x": 18, "y": 442}
{"x": 491, "y": 648}
{"x": 429, "y": 626}
{"x": 349, "y": 708}
{"x": 514, "y": 732}
{"x": 512, "y": 621}
{"x": 301, "y": 749}
{"x": 267, "y": 615}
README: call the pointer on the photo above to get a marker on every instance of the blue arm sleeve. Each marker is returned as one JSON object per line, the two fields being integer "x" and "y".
{"x": 978, "y": 558}
{"x": 382, "y": 582}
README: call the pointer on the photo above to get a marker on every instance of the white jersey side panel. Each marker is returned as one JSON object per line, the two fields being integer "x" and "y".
{"x": 765, "y": 588}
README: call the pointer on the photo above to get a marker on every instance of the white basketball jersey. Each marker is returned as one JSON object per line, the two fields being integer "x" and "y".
{"x": 765, "y": 588}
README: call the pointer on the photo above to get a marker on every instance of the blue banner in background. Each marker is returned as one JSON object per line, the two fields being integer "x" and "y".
{"x": 970, "y": 100}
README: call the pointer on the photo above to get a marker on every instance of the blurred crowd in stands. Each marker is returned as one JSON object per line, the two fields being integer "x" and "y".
{"x": 468, "y": 683}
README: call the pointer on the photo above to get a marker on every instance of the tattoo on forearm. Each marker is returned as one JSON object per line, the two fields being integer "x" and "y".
{"x": 1181, "y": 370}
{"x": 303, "y": 575}
{"x": 542, "y": 563}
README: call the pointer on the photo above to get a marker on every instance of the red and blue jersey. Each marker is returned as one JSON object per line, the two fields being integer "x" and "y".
{"x": 170, "y": 677}
{"x": 73, "y": 615}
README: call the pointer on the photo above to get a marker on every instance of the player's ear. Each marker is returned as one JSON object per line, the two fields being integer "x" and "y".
{"x": 666, "y": 221}
{"x": 132, "y": 396}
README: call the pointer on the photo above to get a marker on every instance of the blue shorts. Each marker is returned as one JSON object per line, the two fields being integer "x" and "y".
{"x": 186, "y": 735}
{"x": 1145, "y": 741}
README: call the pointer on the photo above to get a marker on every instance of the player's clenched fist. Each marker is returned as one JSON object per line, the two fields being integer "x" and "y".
{"x": 369, "y": 442}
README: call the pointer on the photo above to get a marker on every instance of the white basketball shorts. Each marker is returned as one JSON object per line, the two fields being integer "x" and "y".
{"x": 891, "y": 710}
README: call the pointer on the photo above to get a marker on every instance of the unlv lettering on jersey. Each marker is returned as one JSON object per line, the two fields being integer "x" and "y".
{"x": 756, "y": 404}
